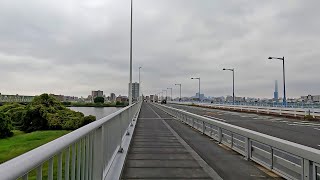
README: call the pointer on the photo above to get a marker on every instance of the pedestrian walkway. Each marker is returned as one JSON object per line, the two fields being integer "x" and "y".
{"x": 160, "y": 149}
{"x": 156, "y": 153}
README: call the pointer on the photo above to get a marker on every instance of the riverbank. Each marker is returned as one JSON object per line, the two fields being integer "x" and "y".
{"x": 95, "y": 105}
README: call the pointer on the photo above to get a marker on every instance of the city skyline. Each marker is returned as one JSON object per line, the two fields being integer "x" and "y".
{"x": 80, "y": 46}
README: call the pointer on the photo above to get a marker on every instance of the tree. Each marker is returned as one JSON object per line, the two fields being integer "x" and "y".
{"x": 5, "y": 126}
{"x": 99, "y": 100}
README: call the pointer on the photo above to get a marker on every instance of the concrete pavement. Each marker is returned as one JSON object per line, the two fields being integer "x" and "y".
{"x": 163, "y": 148}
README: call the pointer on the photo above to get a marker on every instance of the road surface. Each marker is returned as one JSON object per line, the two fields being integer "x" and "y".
{"x": 303, "y": 132}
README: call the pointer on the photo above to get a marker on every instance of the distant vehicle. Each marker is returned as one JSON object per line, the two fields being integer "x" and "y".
{"x": 164, "y": 101}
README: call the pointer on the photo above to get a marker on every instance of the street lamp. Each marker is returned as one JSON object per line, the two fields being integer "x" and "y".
{"x": 284, "y": 80}
{"x": 199, "y": 87}
{"x": 130, "y": 79}
{"x": 180, "y": 90}
{"x": 139, "y": 81}
{"x": 232, "y": 82}
{"x": 171, "y": 93}
{"x": 166, "y": 93}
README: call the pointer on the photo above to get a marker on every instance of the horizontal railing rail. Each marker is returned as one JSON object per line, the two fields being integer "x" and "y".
{"x": 288, "y": 159}
{"x": 85, "y": 153}
{"x": 261, "y": 109}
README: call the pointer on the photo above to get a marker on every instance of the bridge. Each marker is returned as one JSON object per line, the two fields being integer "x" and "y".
{"x": 15, "y": 98}
{"x": 156, "y": 141}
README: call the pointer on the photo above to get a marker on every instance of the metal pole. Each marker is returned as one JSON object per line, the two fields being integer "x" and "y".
{"x": 199, "y": 90}
{"x": 171, "y": 93}
{"x": 233, "y": 86}
{"x": 284, "y": 85}
{"x": 139, "y": 83}
{"x": 180, "y": 92}
{"x": 130, "y": 84}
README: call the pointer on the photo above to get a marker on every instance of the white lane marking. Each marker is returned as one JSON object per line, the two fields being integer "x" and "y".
{"x": 319, "y": 145}
{"x": 283, "y": 121}
{"x": 211, "y": 117}
{"x": 318, "y": 130}
{"x": 306, "y": 123}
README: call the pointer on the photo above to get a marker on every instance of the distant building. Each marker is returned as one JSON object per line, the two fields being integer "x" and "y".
{"x": 122, "y": 99}
{"x": 201, "y": 96}
{"x": 152, "y": 98}
{"x": 236, "y": 99}
{"x": 311, "y": 99}
{"x": 276, "y": 93}
{"x": 218, "y": 99}
{"x": 59, "y": 97}
{"x": 112, "y": 97}
{"x": 70, "y": 99}
{"x": 95, "y": 94}
{"x": 135, "y": 91}
{"x": 64, "y": 98}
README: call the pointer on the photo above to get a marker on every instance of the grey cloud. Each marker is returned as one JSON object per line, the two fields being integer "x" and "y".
{"x": 76, "y": 46}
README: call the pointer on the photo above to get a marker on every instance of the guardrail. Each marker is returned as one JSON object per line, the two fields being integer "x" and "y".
{"x": 86, "y": 153}
{"x": 288, "y": 159}
{"x": 294, "y": 112}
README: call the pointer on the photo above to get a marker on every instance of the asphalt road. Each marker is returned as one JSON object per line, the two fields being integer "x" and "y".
{"x": 303, "y": 132}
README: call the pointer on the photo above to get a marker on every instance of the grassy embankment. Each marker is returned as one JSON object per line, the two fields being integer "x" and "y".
{"x": 22, "y": 142}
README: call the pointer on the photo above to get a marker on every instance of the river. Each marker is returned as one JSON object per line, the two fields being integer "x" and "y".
{"x": 99, "y": 112}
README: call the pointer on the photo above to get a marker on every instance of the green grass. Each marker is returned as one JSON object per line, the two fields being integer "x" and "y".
{"x": 23, "y": 142}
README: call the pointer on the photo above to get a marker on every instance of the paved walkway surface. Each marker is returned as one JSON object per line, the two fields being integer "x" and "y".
{"x": 164, "y": 148}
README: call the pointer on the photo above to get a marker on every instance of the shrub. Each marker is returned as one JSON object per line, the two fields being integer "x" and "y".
{"x": 88, "y": 119}
{"x": 99, "y": 100}
{"x": 43, "y": 113}
{"x": 5, "y": 126}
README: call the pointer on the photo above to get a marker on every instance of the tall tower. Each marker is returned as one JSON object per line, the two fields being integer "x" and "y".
{"x": 276, "y": 93}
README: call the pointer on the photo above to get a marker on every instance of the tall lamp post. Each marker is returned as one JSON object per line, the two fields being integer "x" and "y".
{"x": 130, "y": 79}
{"x": 284, "y": 80}
{"x": 166, "y": 93}
{"x": 180, "y": 90}
{"x": 232, "y": 83}
{"x": 199, "y": 87}
{"x": 171, "y": 93}
{"x": 140, "y": 83}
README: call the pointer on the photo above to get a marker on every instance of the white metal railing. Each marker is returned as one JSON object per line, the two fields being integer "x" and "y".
{"x": 262, "y": 109}
{"x": 288, "y": 159}
{"x": 86, "y": 153}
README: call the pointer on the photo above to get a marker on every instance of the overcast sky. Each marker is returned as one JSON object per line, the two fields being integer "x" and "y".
{"x": 71, "y": 47}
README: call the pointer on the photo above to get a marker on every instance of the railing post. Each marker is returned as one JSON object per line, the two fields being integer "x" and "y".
{"x": 231, "y": 144}
{"x": 203, "y": 127}
{"x": 306, "y": 169}
{"x": 247, "y": 148}
{"x": 219, "y": 135}
{"x": 97, "y": 154}
{"x": 192, "y": 122}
